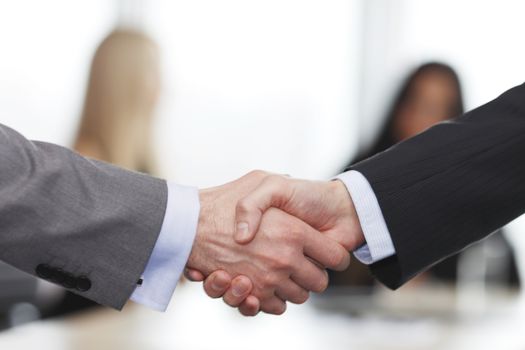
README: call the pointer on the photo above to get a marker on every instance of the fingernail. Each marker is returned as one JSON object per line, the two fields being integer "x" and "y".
{"x": 242, "y": 230}
{"x": 238, "y": 290}
{"x": 216, "y": 286}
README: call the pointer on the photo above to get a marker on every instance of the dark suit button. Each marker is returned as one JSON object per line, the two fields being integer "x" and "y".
{"x": 44, "y": 271}
{"x": 70, "y": 281}
{"x": 58, "y": 276}
{"x": 83, "y": 284}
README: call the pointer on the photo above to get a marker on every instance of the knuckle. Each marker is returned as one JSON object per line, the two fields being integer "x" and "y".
{"x": 257, "y": 173}
{"x": 279, "y": 310}
{"x": 282, "y": 262}
{"x": 268, "y": 280}
{"x": 292, "y": 240}
{"x": 244, "y": 205}
{"x": 230, "y": 300}
{"x": 303, "y": 297}
{"x": 276, "y": 309}
{"x": 294, "y": 236}
{"x": 337, "y": 258}
{"x": 321, "y": 285}
{"x": 209, "y": 293}
{"x": 273, "y": 305}
{"x": 277, "y": 181}
{"x": 247, "y": 312}
{"x": 273, "y": 184}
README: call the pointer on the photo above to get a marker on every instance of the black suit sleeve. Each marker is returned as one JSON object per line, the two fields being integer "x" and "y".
{"x": 450, "y": 186}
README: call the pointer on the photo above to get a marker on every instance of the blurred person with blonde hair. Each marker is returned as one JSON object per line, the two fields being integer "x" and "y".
{"x": 112, "y": 235}
{"x": 118, "y": 113}
{"x": 122, "y": 93}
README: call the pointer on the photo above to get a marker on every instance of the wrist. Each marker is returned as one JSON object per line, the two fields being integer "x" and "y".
{"x": 344, "y": 202}
{"x": 214, "y": 238}
{"x": 198, "y": 253}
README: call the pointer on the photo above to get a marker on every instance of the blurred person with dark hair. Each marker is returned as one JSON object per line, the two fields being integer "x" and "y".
{"x": 429, "y": 95}
{"x": 418, "y": 202}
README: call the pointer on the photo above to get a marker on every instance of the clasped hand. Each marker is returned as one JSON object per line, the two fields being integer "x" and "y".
{"x": 266, "y": 239}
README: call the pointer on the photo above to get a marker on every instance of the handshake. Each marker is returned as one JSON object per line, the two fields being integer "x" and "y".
{"x": 266, "y": 239}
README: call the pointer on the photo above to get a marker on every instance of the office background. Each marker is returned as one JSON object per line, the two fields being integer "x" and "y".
{"x": 290, "y": 86}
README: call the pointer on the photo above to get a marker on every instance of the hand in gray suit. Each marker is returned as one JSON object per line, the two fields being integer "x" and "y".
{"x": 91, "y": 227}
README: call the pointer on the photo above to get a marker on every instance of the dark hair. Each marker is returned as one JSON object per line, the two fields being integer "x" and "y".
{"x": 386, "y": 139}
{"x": 447, "y": 269}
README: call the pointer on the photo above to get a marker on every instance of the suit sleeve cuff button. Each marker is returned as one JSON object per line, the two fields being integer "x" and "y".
{"x": 83, "y": 284}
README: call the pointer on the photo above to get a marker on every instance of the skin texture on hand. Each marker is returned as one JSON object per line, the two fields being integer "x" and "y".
{"x": 326, "y": 206}
{"x": 284, "y": 261}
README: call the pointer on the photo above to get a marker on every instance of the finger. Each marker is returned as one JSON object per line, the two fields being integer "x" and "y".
{"x": 241, "y": 288}
{"x": 310, "y": 276}
{"x": 274, "y": 191}
{"x": 217, "y": 283}
{"x": 291, "y": 292}
{"x": 324, "y": 250}
{"x": 274, "y": 306}
{"x": 250, "y": 306}
{"x": 193, "y": 275}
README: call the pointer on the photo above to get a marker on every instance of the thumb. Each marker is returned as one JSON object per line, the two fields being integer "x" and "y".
{"x": 248, "y": 217}
{"x": 274, "y": 191}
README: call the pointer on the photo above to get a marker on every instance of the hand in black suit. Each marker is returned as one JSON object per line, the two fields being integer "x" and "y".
{"x": 439, "y": 192}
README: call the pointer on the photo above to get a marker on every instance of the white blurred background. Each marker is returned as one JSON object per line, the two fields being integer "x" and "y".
{"x": 291, "y": 86}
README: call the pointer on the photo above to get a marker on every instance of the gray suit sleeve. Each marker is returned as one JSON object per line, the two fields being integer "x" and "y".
{"x": 83, "y": 224}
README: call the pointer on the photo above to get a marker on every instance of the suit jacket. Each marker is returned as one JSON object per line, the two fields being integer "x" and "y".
{"x": 450, "y": 186}
{"x": 83, "y": 224}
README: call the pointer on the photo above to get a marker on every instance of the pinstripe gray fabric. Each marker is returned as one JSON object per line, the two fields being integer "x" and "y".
{"x": 86, "y": 217}
{"x": 451, "y": 185}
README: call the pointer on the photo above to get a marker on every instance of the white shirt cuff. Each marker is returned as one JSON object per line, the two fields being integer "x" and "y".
{"x": 379, "y": 243}
{"x": 172, "y": 249}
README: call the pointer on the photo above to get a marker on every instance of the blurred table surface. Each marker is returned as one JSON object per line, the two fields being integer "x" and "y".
{"x": 194, "y": 321}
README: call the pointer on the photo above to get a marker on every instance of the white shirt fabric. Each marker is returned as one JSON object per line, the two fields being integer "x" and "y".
{"x": 379, "y": 243}
{"x": 173, "y": 246}
{"x": 172, "y": 249}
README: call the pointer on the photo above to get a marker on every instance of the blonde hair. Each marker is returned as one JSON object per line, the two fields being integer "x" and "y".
{"x": 121, "y": 95}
